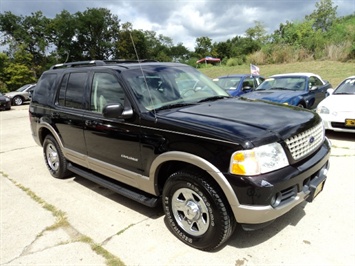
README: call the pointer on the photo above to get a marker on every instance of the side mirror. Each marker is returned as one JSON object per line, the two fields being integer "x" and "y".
{"x": 246, "y": 88}
{"x": 329, "y": 91}
{"x": 117, "y": 111}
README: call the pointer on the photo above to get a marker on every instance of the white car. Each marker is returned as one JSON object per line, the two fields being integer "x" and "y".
{"x": 338, "y": 110}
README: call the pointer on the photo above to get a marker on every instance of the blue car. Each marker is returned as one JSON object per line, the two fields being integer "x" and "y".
{"x": 304, "y": 90}
{"x": 238, "y": 84}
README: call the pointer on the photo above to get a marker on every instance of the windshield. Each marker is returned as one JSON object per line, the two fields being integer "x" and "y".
{"x": 159, "y": 86}
{"x": 23, "y": 87}
{"x": 347, "y": 87}
{"x": 228, "y": 83}
{"x": 283, "y": 83}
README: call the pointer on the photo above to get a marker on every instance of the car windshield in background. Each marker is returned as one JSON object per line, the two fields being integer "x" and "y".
{"x": 157, "y": 87}
{"x": 23, "y": 88}
{"x": 283, "y": 83}
{"x": 347, "y": 87}
{"x": 227, "y": 83}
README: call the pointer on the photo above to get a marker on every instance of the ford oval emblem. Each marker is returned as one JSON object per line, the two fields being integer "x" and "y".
{"x": 311, "y": 140}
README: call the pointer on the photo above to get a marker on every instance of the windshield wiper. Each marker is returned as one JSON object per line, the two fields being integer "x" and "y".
{"x": 279, "y": 88}
{"x": 175, "y": 105}
{"x": 213, "y": 98}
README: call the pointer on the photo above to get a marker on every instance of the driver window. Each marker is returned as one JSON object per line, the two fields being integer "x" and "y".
{"x": 105, "y": 90}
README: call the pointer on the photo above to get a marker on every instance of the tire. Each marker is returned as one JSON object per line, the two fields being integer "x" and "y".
{"x": 195, "y": 211}
{"x": 17, "y": 100}
{"x": 54, "y": 158}
{"x": 300, "y": 105}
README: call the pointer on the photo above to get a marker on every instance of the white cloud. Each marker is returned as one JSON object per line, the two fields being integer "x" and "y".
{"x": 185, "y": 20}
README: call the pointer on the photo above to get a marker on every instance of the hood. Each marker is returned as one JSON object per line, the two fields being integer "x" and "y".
{"x": 240, "y": 120}
{"x": 279, "y": 96}
{"x": 12, "y": 93}
{"x": 340, "y": 102}
{"x": 3, "y": 97}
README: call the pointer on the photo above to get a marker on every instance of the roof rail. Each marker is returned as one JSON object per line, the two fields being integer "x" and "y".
{"x": 99, "y": 63}
{"x": 118, "y": 61}
{"x": 79, "y": 64}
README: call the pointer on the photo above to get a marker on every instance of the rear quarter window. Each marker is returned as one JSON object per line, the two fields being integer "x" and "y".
{"x": 44, "y": 89}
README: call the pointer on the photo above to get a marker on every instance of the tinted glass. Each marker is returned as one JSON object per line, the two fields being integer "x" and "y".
{"x": 44, "y": 88}
{"x": 72, "y": 90}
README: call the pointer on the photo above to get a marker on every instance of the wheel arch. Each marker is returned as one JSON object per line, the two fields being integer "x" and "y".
{"x": 165, "y": 164}
{"x": 46, "y": 129}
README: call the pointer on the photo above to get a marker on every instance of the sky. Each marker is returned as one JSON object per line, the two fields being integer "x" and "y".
{"x": 185, "y": 20}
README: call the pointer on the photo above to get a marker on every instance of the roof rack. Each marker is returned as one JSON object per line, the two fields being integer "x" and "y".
{"x": 99, "y": 63}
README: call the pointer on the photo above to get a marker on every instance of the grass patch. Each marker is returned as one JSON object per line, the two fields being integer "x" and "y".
{"x": 124, "y": 229}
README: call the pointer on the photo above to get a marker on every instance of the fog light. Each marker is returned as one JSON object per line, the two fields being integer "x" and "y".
{"x": 276, "y": 200}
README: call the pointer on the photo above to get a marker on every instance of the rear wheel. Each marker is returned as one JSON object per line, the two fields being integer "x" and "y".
{"x": 54, "y": 158}
{"x": 196, "y": 212}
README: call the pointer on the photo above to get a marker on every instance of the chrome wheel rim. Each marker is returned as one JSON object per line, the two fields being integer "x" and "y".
{"x": 190, "y": 212}
{"x": 52, "y": 157}
{"x": 18, "y": 101}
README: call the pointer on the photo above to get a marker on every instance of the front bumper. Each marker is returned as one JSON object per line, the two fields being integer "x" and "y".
{"x": 264, "y": 198}
{"x": 337, "y": 122}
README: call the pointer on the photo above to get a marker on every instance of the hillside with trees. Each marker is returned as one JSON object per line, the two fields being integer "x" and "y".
{"x": 31, "y": 44}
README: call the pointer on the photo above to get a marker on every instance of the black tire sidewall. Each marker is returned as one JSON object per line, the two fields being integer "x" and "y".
{"x": 214, "y": 235}
{"x": 62, "y": 171}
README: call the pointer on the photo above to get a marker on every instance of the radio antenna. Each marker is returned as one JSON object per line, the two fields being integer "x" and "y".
{"x": 144, "y": 78}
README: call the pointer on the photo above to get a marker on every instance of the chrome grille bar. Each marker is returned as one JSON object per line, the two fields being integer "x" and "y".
{"x": 306, "y": 142}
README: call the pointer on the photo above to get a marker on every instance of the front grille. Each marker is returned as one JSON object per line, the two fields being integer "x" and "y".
{"x": 306, "y": 142}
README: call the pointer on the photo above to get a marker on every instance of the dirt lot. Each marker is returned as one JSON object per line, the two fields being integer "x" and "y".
{"x": 33, "y": 204}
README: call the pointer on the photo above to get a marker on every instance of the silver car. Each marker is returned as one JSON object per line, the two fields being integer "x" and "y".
{"x": 21, "y": 95}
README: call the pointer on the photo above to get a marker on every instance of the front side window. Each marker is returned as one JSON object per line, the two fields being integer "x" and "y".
{"x": 105, "y": 90}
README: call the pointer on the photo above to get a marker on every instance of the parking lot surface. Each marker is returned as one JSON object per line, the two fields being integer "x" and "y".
{"x": 46, "y": 221}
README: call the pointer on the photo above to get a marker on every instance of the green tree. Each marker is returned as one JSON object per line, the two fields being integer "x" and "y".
{"x": 30, "y": 31}
{"x": 96, "y": 33}
{"x": 324, "y": 15}
{"x": 256, "y": 33}
{"x": 62, "y": 35}
{"x": 203, "y": 46}
{"x": 131, "y": 44}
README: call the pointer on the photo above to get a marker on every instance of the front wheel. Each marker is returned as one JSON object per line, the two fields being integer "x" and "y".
{"x": 17, "y": 100}
{"x": 54, "y": 158}
{"x": 196, "y": 212}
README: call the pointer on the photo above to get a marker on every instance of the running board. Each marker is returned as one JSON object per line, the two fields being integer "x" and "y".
{"x": 135, "y": 195}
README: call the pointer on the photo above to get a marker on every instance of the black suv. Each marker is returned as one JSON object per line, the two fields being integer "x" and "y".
{"x": 164, "y": 132}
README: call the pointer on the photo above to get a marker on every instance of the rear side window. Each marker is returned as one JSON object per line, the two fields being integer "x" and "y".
{"x": 72, "y": 90}
{"x": 44, "y": 88}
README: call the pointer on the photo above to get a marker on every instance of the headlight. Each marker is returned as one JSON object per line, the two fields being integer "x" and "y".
{"x": 259, "y": 160}
{"x": 323, "y": 110}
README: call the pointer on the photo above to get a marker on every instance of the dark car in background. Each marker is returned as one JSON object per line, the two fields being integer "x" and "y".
{"x": 304, "y": 90}
{"x": 5, "y": 102}
{"x": 238, "y": 84}
{"x": 21, "y": 95}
